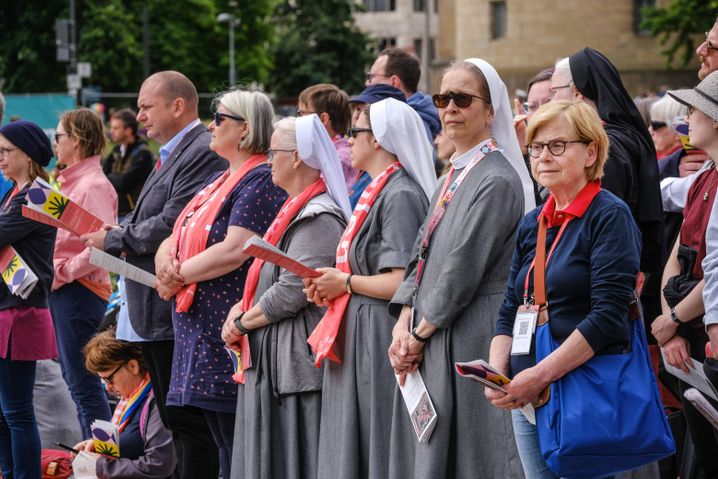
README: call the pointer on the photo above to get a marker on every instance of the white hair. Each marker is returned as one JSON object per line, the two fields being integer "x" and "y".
{"x": 562, "y": 70}
{"x": 287, "y": 129}
{"x": 666, "y": 109}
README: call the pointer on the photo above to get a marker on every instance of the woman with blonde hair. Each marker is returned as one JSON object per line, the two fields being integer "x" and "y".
{"x": 80, "y": 290}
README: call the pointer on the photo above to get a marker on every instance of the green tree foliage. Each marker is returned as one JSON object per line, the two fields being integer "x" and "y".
{"x": 678, "y": 25}
{"x": 318, "y": 42}
{"x": 184, "y": 36}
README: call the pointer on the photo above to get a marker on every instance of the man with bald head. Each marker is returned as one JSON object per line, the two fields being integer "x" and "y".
{"x": 167, "y": 106}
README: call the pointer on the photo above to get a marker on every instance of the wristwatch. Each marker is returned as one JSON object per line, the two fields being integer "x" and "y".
{"x": 421, "y": 339}
{"x": 674, "y": 317}
{"x": 348, "y": 284}
{"x": 238, "y": 324}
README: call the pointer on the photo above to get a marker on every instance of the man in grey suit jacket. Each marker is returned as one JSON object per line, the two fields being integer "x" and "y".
{"x": 168, "y": 109}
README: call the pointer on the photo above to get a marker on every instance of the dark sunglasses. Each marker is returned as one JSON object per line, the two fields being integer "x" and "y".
{"x": 461, "y": 100}
{"x": 353, "y": 132}
{"x": 218, "y": 117}
{"x": 657, "y": 125}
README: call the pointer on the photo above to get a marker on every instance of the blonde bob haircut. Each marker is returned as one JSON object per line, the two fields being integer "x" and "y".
{"x": 256, "y": 108}
{"x": 586, "y": 125}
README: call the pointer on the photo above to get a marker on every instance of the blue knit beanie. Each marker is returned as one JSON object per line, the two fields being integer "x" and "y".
{"x": 29, "y": 138}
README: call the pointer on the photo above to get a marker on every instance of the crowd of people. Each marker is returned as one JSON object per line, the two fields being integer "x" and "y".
{"x": 554, "y": 239}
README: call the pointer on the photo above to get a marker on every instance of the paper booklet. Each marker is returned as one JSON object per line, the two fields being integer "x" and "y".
{"x": 46, "y": 200}
{"x": 703, "y": 406}
{"x": 20, "y": 279}
{"x": 116, "y": 265}
{"x": 256, "y": 246}
{"x": 84, "y": 465}
{"x": 421, "y": 409}
{"x": 695, "y": 377}
{"x": 107, "y": 438}
{"x": 480, "y": 371}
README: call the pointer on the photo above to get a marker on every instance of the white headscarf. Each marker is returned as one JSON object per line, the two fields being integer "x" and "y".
{"x": 502, "y": 129}
{"x": 317, "y": 150}
{"x": 399, "y": 129}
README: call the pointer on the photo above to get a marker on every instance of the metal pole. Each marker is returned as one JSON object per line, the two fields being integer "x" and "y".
{"x": 428, "y": 4}
{"x": 146, "y": 41}
{"x": 73, "y": 38}
{"x": 232, "y": 71}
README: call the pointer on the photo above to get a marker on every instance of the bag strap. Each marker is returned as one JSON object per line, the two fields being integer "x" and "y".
{"x": 144, "y": 415}
{"x": 540, "y": 264}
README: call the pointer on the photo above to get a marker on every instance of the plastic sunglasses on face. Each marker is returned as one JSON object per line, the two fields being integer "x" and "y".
{"x": 461, "y": 100}
{"x": 218, "y": 117}
{"x": 353, "y": 132}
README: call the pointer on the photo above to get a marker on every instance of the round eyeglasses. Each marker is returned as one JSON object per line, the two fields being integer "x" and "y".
{"x": 555, "y": 147}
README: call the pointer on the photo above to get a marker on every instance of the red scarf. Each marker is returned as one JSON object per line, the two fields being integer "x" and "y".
{"x": 325, "y": 334}
{"x": 195, "y": 222}
{"x": 286, "y": 214}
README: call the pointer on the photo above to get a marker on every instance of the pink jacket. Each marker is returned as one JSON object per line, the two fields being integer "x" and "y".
{"x": 86, "y": 184}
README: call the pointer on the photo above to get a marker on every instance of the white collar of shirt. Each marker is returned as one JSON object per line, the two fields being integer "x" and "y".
{"x": 167, "y": 149}
{"x": 460, "y": 161}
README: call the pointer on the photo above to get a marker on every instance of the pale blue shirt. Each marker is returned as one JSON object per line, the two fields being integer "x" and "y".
{"x": 167, "y": 149}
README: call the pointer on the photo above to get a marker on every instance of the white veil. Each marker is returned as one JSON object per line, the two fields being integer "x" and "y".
{"x": 502, "y": 129}
{"x": 399, "y": 129}
{"x": 317, "y": 151}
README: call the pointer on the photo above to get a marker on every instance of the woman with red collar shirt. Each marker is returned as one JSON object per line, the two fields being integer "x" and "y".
{"x": 26, "y": 333}
{"x": 589, "y": 280}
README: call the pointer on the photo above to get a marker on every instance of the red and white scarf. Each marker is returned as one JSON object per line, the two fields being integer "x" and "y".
{"x": 274, "y": 233}
{"x": 325, "y": 334}
{"x": 195, "y": 222}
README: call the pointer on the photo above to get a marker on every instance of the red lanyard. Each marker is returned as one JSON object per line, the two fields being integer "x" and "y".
{"x": 541, "y": 251}
{"x": 14, "y": 193}
{"x": 445, "y": 198}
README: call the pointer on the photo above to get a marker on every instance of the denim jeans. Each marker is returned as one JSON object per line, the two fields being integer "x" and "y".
{"x": 527, "y": 444}
{"x": 221, "y": 425}
{"x": 76, "y": 314}
{"x": 19, "y": 437}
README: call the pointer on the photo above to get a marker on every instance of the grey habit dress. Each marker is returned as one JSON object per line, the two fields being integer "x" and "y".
{"x": 276, "y": 432}
{"x": 460, "y": 293}
{"x": 358, "y": 394}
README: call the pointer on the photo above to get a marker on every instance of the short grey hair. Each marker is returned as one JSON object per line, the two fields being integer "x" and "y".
{"x": 562, "y": 70}
{"x": 287, "y": 129}
{"x": 256, "y": 108}
{"x": 666, "y": 109}
{"x": 2, "y": 106}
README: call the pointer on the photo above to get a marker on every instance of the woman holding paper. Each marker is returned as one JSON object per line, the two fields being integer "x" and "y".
{"x": 454, "y": 282}
{"x": 145, "y": 444}
{"x": 80, "y": 290}
{"x": 26, "y": 332}
{"x": 279, "y": 402}
{"x": 389, "y": 142}
{"x": 589, "y": 280}
{"x": 202, "y": 266}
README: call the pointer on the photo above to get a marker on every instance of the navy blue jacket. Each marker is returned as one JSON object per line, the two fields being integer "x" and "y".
{"x": 34, "y": 242}
{"x": 590, "y": 277}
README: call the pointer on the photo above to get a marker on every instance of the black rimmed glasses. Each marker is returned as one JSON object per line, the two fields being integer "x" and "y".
{"x": 709, "y": 45}
{"x": 58, "y": 136}
{"x": 272, "y": 153}
{"x": 370, "y": 76}
{"x": 108, "y": 380}
{"x": 657, "y": 125}
{"x": 555, "y": 147}
{"x": 461, "y": 100}
{"x": 552, "y": 91}
{"x": 691, "y": 109}
{"x": 218, "y": 117}
{"x": 353, "y": 132}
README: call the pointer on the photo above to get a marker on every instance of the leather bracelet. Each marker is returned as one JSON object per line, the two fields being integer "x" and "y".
{"x": 421, "y": 339}
{"x": 238, "y": 325}
{"x": 674, "y": 317}
{"x": 348, "y": 284}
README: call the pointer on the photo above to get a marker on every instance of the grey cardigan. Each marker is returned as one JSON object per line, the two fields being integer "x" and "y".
{"x": 312, "y": 238}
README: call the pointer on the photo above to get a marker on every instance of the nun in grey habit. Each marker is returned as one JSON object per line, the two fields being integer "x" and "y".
{"x": 462, "y": 288}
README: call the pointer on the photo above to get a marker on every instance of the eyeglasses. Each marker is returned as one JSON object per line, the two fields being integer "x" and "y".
{"x": 461, "y": 100}
{"x": 553, "y": 89}
{"x": 218, "y": 117}
{"x": 302, "y": 112}
{"x": 5, "y": 152}
{"x": 709, "y": 45}
{"x": 272, "y": 153}
{"x": 353, "y": 132}
{"x": 58, "y": 135}
{"x": 370, "y": 76}
{"x": 108, "y": 379}
{"x": 555, "y": 147}
{"x": 691, "y": 109}
{"x": 657, "y": 125}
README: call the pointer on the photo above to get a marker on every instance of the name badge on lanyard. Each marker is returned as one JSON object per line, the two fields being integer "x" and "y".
{"x": 524, "y": 329}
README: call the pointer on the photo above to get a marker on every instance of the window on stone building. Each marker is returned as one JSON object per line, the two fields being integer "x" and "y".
{"x": 498, "y": 20}
{"x": 419, "y": 5}
{"x": 386, "y": 42}
{"x": 380, "y": 5}
{"x": 638, "y": 16}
